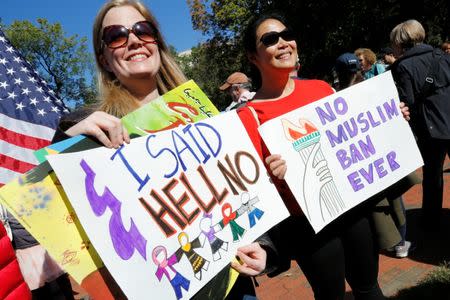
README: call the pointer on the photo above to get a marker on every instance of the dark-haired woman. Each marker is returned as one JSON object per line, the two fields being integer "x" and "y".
{"x": 272, "y": 50}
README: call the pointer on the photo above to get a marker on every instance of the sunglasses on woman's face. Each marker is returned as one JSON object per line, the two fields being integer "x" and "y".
{"x": 116, "y": 36}
{"x": 271, "y": 38}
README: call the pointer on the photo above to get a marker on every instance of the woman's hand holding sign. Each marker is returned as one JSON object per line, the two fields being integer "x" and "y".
{"x": 253, "y": 260}
{"x": 405, "y": 111}
{"x": 106, "y": 128}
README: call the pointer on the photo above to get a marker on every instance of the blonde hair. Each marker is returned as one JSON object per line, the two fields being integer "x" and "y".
{"x": 407, "y": 34}
{"x": 368, "y": 54}
{"x": 115, "y": 99}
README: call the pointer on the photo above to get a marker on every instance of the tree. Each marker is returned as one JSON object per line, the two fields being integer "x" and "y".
{"x": 325, "y": 29}
{"x": 209, "y": 64}
{"x": 62, "y": 61}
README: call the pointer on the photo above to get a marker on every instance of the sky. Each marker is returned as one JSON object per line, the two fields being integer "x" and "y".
{"x": 77, "y": 17}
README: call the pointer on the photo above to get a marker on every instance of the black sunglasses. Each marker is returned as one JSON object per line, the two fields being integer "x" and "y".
{"x": 116, "y": 36}
{"x": 271, "y": 38}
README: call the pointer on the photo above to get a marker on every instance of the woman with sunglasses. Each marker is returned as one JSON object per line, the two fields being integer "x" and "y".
{"x": 134, "y": 67}
{"x": 346, "y": 248}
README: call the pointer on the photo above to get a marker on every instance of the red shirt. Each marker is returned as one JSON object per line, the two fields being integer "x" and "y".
{"x": 305, "y": 92}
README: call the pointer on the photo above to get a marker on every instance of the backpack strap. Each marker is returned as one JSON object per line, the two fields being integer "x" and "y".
{"x": 255, "y": 115}
{"x": 433, "y": 69}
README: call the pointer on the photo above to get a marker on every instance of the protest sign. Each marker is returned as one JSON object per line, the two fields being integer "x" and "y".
{"x": 344, "y": 148}
{"x": 167, "y": 212}
{"x": 37, "y": 200}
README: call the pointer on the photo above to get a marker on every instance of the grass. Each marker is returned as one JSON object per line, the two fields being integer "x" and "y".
{"x": 434, "y": 286}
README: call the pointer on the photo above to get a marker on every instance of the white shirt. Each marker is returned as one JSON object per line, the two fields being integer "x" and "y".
{"x": 245, "y": 96}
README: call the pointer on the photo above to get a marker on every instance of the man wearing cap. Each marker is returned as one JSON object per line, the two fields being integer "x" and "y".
{"x": 238, "y": 86}
{"x": 347, "y": 71}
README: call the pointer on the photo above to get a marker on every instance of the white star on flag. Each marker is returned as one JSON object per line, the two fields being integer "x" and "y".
{"x": 12, "y": 95}
{"x": 33, "y": 101}
{"x": 20, "y": 105}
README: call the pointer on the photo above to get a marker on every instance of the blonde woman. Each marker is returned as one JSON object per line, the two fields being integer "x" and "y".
{"x": 134, "y": 67}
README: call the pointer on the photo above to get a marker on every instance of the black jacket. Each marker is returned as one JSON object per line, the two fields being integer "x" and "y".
{"x": 430, "y": 113}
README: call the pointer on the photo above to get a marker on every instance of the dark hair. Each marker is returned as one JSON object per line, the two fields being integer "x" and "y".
{"x": 249, "y": 40}
{"x": 249, "y": 35}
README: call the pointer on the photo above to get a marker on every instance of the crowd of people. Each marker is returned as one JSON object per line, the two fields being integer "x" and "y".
{"x": 135, "y": 67}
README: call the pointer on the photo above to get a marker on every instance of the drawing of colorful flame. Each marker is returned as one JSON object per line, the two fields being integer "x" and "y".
{"x": 302, "y": 136}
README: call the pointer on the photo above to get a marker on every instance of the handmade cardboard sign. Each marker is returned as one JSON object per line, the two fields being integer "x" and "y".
{"x": 168, "y": 211}
{"x": 38, "y": 201}
{"x": 344, "y": 148}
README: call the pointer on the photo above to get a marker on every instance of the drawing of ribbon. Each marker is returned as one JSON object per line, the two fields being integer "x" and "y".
{"x": 228, "y": 217}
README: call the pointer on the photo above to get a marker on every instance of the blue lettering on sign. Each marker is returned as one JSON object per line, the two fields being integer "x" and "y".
{"x": 142, "y": 182}
{"x": 199, "y": 145}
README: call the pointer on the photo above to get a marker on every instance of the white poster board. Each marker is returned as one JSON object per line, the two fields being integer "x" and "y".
{"x": 344, "y": 148}
{"x": 167, "y": 212}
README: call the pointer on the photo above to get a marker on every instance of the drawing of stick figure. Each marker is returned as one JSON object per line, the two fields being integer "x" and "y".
{"x": 248, "y": 206}
{"x": 197, "y": 262}
{"x": 229, "y": 218}
{"x": 321, "y": 197}
{"x": 209, "y": 233}
{"x": 165, "y": 267}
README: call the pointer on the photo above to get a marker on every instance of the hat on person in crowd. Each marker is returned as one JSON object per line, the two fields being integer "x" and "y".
{"x": 387, "y": 51}
{"x": 235, "y": 78}
{"x": 347, "y": 62}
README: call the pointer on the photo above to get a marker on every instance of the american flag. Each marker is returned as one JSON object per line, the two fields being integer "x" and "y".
{"x": 29, "y": 113}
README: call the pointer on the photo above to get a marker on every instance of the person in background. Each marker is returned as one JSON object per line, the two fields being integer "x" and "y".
{"x": 446, "y": 47}
{"x": 388, "y": 57}
{"x": 238, "y": 86}
{"x": 272, "y": 50}
{"x": 367, "y": 60}
{"x": 347, "y": 71}
{"x": 427, "y": 95}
